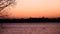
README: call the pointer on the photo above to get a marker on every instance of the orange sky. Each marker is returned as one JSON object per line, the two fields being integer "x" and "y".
{"x": 35, "y": 8}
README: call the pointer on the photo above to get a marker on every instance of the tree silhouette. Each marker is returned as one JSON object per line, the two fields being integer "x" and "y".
{"x": 3, "y": 5}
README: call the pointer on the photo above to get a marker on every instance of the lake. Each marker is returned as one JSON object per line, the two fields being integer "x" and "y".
{"x": 30, "y": 28}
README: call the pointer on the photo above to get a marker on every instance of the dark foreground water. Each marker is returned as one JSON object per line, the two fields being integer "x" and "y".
{"x": 30, "y": 28}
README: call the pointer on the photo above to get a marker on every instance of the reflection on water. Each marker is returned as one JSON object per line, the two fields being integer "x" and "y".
{"x": 30, "y": 28}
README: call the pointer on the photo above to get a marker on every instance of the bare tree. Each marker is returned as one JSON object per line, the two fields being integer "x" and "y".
{"x": 3, "y": 5}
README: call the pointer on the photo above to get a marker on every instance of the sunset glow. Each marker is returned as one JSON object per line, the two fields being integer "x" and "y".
{"x": 35, "y": 8}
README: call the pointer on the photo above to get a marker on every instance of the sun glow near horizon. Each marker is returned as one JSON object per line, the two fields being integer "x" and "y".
{"x": 36, "y": 8}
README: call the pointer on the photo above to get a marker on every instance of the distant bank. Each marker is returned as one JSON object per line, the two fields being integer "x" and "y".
{"x": 31, "y": 20}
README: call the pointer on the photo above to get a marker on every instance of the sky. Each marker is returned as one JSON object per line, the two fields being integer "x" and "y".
{"x": 35, "y": 9}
